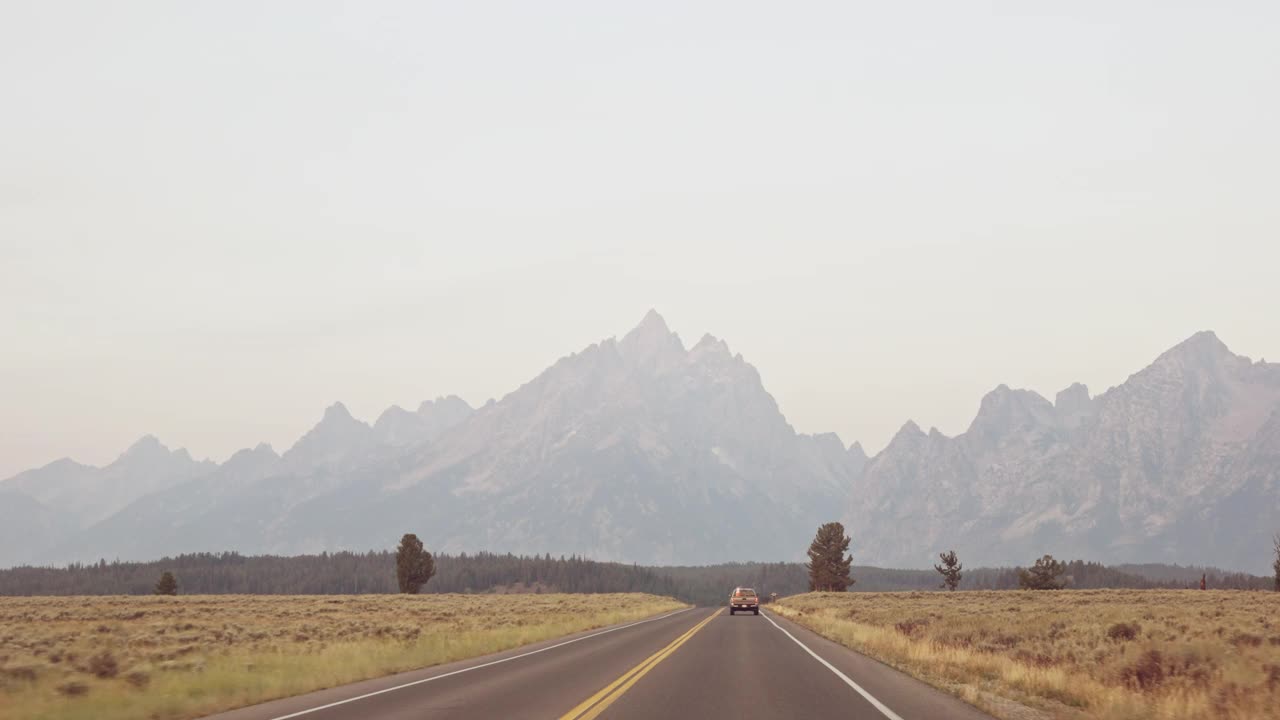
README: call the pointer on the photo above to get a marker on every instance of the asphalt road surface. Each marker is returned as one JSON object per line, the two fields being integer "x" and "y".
{"x": 699, "y": 663}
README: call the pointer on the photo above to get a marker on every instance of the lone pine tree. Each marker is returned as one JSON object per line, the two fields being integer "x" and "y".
{"x": 414, "y": 565}
{"x": 1276, "y": 564}
{"x": 949, "y": 569}
{"x": 168, "y": 585}
{"x": 828, "y": 565}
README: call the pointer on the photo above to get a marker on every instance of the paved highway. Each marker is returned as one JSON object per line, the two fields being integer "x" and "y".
{"x": 698, "y": 663}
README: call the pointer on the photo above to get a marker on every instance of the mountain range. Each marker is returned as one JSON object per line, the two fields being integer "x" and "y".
{"x": 642, "y": 449}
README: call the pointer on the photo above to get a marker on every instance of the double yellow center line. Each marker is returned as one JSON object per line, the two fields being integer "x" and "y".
{"x": 596, "y": 704}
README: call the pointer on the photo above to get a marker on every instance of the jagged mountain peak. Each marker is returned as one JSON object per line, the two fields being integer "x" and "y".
{"x": 1071, "y": 398}
{"x": 336, "y": 416}
{"x": 708, "y": 345}
{"x": 1006, "y": 411}
{"x": 337, "y": 435}
{"x": 149, "y": 449}
{"x": 1005, "y": 395}
{"x": 856, "y": 459}
{"x": 1004, "y": 404}
{"x": 399, "y": 427}
{"x": 1205, "y": 338}
{"x": 909, "y": 431}
{"x": 628, "y": 434}
{"x": 258, "y": 453}
{"x": 146, "y": 444}
{"x": 337, "y": 420}
{"x": 652, "y": 326}
{"x": 1202, "y": 349}
{"x": 451, "y": 403}
{"x": 1201, "y": 378}
{"x": 87, "y": 494}
{"x": 392, "y": 413}
{"x": 1074, "y": 405}
{"x": 337, "y": 411}
{"x": 652, "y": 344}
{"x": 652, "y": 320}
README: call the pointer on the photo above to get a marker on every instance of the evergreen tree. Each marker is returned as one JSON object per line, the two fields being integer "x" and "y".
{"x": 414, "y": 565}
{"x": 1046, "y": 574}
{"x": 949, "y": 569}
{"x": 1276, "y": 564}
{"x": 168, "y": 585}
{"x": 828, "y": 565}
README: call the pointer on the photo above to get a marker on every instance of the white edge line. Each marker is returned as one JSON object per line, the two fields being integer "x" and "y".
{"x": 477, "y": 667}
{"x": 858, "y": 688}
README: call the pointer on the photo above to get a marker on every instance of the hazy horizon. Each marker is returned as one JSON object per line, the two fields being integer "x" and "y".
{"x": 215, "y": 221}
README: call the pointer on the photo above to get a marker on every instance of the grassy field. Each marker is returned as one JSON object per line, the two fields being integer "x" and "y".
{"x": 1168, "y": 654}
{"x": 104, "y": 658}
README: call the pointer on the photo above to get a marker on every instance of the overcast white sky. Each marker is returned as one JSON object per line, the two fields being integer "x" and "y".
{"x": 218, "y": 218}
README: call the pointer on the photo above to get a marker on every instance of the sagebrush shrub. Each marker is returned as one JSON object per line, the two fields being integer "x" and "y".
{"x": 104, "y": 665}
{"x": 1147, "y": 673}
{"x": 1123, "y": 631}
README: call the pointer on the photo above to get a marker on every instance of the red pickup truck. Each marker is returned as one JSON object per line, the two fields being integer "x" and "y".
{"x": 744, "y": 599}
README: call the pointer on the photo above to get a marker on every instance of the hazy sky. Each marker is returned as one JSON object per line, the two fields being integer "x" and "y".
{"x": 218, "y": 218}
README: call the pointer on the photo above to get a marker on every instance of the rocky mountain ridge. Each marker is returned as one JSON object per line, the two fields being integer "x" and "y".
{"x": 640, "y": 449}
{"x": 1152, "y": 470}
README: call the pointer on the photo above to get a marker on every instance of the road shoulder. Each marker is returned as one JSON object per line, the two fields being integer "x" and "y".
{"x": 903, "y": 694}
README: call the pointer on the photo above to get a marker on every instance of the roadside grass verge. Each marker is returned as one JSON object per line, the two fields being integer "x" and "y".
{"x": 1114, "y": 654}
{"x": 171, "y": 658}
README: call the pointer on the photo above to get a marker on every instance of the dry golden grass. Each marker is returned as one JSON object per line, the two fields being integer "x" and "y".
{"x": 104, "y": 658}
{"x": 1167, "y": 654}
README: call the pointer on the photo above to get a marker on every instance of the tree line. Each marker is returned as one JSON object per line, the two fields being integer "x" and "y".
{"x": 829, "y": 569}
{"x": 376, "y": 572}
{"x": 335, "y": 573}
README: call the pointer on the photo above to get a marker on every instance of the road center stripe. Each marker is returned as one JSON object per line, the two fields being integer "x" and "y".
{"x": 858, "y": 688}
{"x": 596, "y": 704}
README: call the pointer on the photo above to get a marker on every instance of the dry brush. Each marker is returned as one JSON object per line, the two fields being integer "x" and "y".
{"x": 1115, "y": 654}
{"x": 103, "y": 658}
